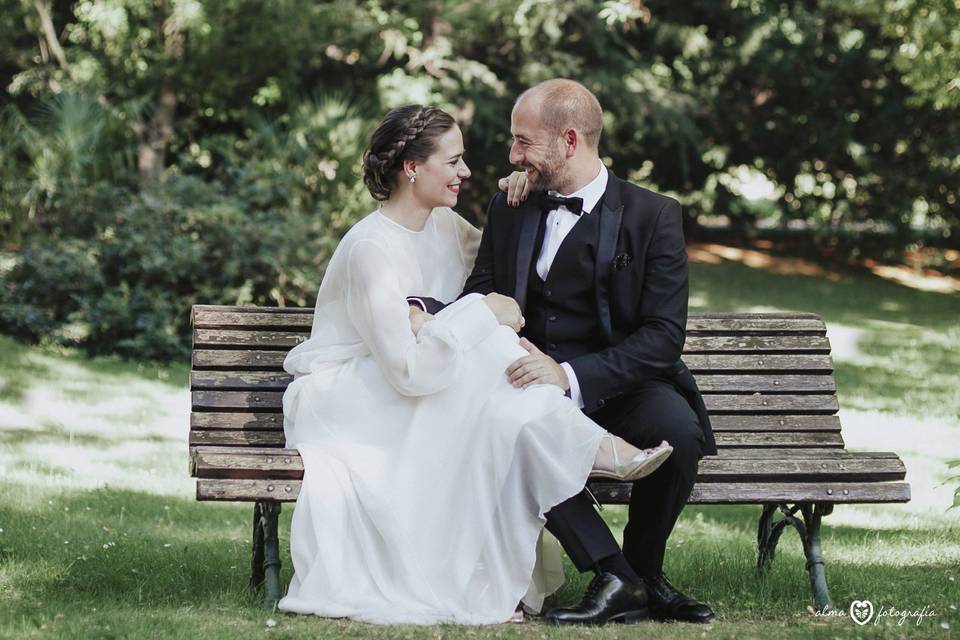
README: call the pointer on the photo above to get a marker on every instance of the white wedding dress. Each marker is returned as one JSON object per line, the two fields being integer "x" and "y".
{"x": 426, "y": 473}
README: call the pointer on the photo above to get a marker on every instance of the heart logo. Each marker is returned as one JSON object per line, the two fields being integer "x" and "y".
{"x": 861, "y": 611}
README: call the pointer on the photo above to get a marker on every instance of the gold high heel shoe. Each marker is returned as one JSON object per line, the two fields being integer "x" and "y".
{"x": 639, "y": 466}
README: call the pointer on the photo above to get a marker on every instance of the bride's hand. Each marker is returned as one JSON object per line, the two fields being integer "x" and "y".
{"x": 506, "y": 309}
{"x": 417, "y": 318}
{"x": 516, "y": 187}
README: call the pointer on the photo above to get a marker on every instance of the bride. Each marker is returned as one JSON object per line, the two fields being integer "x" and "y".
{"x": 426, "y": 473}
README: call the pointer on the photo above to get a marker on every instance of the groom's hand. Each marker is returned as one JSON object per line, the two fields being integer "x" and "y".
{"x": 536, "y": 368}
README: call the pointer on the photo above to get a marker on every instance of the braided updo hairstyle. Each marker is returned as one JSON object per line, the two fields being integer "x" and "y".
{"x": 409, "y": 132}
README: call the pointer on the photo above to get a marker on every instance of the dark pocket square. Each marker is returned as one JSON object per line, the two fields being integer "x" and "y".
{"x": 621, "y": 261}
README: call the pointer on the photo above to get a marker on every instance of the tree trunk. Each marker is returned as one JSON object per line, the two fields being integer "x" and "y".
{"x": 153, "y": 139}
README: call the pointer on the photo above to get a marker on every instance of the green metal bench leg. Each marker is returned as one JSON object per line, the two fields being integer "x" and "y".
{"x": 265, "y": 563}
{"x": 271, "y": 554}
{"x": 769, "y": 532}
{"x": 256, "y": 559}
{"x": 811, "y": 547}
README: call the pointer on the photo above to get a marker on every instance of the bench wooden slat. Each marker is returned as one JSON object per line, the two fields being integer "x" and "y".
{"x": 265, "y": 360}
{"x": 703, "y": 493}
{"x": 302, "y": 319}
{"x": 227, "y": 437}
{"x": 731, "y": 454}
{"x": 237, "y": 438}
{"x": 791, "y": 492}
{"x": 774, "y": 423}
{"x": 271, "y": 421}
{"x": 797, "y": 343}
{"x": 757, "y": 344}
{"x": 716, "y": 403}
{"x": 230, "y": 420}
{"x": 262, "y": 360}
{"x": 773, "y": 439}
{"x": 708, "y": 383}
{"x": 768, "y": 403}
{"x": 287, "y": 464}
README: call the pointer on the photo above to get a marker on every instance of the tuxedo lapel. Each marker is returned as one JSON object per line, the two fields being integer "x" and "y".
{"x": 525, "y": 244}
{"x": 611, "y": 217}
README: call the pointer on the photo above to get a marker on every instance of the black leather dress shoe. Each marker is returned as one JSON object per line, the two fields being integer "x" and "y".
{"x": 607, "y": 599}
{"x": 666, "y": 603}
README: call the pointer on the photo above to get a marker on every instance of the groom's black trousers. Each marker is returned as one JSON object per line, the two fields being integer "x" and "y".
{"x": 653, "y": 412}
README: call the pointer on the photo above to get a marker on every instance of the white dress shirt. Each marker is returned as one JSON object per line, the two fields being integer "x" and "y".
{"x": 559, "y": 223}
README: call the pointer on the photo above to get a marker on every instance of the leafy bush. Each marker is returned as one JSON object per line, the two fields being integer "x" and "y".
{"x": 115, "y": 269}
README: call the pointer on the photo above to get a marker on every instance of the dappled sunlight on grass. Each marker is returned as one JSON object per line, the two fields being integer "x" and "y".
{"x": 71, "y": 425}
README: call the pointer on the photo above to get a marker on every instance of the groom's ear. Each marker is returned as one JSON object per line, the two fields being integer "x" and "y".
{"x": 572, "y": 140}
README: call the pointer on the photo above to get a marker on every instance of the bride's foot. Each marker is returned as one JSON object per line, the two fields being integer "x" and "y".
{"x": 617, "y": 459}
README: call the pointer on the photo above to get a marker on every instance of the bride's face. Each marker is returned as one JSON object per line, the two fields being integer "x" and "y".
{"x": 439, "y": 177}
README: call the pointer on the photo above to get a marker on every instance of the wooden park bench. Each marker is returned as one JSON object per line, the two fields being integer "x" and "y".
{"x": 767, "y": 381}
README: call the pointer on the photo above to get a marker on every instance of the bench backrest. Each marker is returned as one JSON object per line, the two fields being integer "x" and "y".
{"x": 767, "y": 378}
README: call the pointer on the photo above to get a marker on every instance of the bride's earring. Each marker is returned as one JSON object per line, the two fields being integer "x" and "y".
{"x": 413, "y": 178}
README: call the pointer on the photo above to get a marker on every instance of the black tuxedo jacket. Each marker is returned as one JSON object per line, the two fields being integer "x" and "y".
{"x": 641, "y": 289}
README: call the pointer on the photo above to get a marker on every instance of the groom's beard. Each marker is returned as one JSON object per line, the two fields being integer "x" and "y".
{"x": 551, "y": 175}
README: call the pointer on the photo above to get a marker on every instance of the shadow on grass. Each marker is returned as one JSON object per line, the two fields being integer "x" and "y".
{"x": 18, "y": 370}
{"x": 22, "y": 366}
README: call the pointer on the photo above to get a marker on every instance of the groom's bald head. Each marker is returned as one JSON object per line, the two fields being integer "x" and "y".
{"x": 566, "y": 104}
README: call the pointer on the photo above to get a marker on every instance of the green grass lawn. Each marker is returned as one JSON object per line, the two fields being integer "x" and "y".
{"x": 100, "y": 536}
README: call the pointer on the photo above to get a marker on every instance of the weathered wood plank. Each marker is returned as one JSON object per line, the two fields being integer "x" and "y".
{"x": 237, "y": 438}
{"x": 773, "y": 439}
{"x": 260, "y": 318}
{"x": 770, "y": 403}
{"x": 796, "y": 343}
{"x": 249, "y": 400}
{"x": 617, "y": 493}
{"x": 755, "y": 325}
{"x": 709, "y": 383}
{"x": 240, "y": 380}
{"x": 721, "y": 422}
{"x": 716, "y": 403}
{"x": 770, "y": 383}
{"x": 232, "y": 465}
{"x": 766, "y": 453}
{"x": 250, "y": 339}
{"x": 287, "y": 464}
{"x": 757, "y": 344}
{"x": 701, "y": 363}
{"x": 758, "y": 493}
{"x": 300, "y": 319}
{"x": 228, "y": 420}
{"x": 726, "y": 422}
{"x": 247, "y": 490}
{"x": 238, "y": 359}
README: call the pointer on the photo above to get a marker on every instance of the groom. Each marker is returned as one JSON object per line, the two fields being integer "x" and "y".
{"x": 600, "y": 275}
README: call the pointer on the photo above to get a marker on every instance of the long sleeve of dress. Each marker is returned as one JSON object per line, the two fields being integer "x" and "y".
{"x": 414, "y": 365}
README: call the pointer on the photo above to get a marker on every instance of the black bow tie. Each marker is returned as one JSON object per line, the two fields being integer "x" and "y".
{"x": 549, "y": 202}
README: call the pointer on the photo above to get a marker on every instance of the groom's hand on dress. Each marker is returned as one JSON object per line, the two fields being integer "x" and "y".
{"x": 536, "y": 368}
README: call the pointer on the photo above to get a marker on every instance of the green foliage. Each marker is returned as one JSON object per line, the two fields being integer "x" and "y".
{"x": 831, "y": 115}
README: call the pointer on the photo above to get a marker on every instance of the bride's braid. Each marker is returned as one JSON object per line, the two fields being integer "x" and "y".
{"x": 406, "y": 133}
